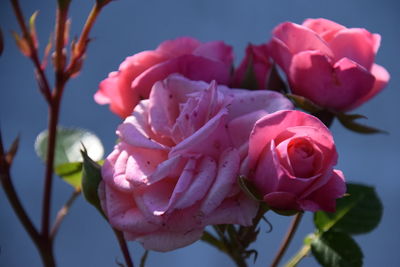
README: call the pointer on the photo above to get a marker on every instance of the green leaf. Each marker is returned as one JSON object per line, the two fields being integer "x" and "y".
{"x": 304, "y": 103}
{"x": 68, "y": 145}
{"x": 359, "y": 212}
{"x": 71, "y": 173}
{"x": 334, "y": 249}
{"x": 349, "y": 122}
{"x": 91, "y": 178}
{"x": 248, "y": 188}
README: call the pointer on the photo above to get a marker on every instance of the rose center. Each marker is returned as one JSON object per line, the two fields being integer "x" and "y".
{"x": 302, "y": 156}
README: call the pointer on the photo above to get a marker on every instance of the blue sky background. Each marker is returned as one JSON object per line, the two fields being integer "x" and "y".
{"x": 126, "y": 27}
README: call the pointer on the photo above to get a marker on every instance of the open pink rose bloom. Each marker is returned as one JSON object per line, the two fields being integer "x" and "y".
{"x": 290, "y": 161}
{"x": 175, "y": 168}
{"x": 328, "y": 63}
{"x": 124, "y": 88}
{"x": 187, "y": 136}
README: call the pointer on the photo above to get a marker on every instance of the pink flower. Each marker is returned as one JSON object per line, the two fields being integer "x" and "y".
{"x": 124, "y": 88}
{"x": 290, "y": 161}
{"x": 256, "y": 60}
{"x": 331, "y": 65}
{"x": 175, "y": 168}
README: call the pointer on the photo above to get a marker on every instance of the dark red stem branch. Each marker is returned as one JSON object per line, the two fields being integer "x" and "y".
{"x": 42, "y": 80}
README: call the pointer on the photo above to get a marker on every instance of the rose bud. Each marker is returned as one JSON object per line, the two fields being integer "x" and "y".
{"x": 328, "y": 63}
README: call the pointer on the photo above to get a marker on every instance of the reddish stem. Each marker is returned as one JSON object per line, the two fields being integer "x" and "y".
{"x": 288, "y": 238}
{"x": 42, "y": 80}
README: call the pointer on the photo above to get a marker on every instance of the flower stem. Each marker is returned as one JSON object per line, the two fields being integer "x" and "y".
{"x": 124, "y": 248}
{"x": 63, "y": 212}
{"x": 302, "y": 253}
{"x": 287, "y": 239}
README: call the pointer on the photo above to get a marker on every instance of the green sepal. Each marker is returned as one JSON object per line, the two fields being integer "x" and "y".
{"x": 285, "y": 212}
{"x": 91, "y": 178}
{"x": 275, "y": 82}
{"x": 349, "y": 122}
{"x": 250, "y": 80}
{"x": 213, "y": 241}
{"x": 249, "y": 189}
{"x": 304, "y": 103}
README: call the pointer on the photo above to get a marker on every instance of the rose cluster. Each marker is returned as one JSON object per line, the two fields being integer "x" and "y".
{"x": 190, "y": 130}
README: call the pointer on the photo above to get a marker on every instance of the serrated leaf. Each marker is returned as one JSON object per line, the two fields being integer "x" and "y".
{"x": 358, "y": 213}
{"x": 349, "y": 122}
{"x": 68, "y": 145}
{"x": 248, "y": 188}
{"x": 334, "y": 249}
{"x": 304, "y": 103}
{"x": 91, "y": 178}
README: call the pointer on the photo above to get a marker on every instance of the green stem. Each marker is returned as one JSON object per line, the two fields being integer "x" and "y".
{"x": 302, "y": 253}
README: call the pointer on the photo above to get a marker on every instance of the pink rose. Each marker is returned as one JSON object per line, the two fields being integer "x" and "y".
{"x": 328, "y": 63}
{"x": 124, "y": 88}
{"x": 175, "y": 168}
{"x": 290, "y": 161}
{"x": 256, "y": 60}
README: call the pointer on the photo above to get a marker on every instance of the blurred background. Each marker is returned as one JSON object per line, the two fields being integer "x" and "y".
{"x": 126, "y": 27}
